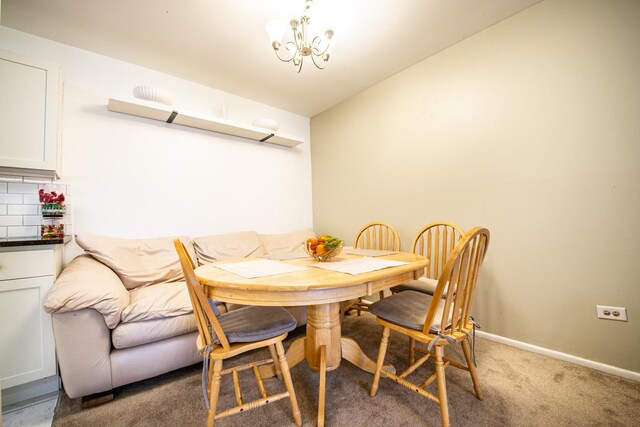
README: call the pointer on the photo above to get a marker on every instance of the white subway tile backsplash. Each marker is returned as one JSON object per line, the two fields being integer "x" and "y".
{"x": 16, "y": 187}
{"x": 27, "y": 231}
{"x": 20, "y": 206}
{"x": 11, "y": 220}
{"x": 22, "y": 209}
{"x": 30, "y": 199}
{"x": 10, "y": 199}
{"x": 32, "y": 220}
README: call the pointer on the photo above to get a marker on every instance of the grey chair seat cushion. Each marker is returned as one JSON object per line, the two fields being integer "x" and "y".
{"x": 423, "y": 284}
{"x": 253, "y": 323}
{"x": 408, "y": 309}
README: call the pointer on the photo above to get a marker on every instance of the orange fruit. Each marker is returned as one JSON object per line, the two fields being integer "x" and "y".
{"x": 320, "y": 249}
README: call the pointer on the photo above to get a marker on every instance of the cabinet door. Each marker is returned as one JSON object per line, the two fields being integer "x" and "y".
{"x": 27, "y": 351}
{"x": 29, "y": 91}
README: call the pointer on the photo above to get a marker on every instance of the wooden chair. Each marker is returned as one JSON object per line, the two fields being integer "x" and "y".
{"x": 435, "y": 242}
{"x": 227, "y": 335}
{"x": 436, "y": 321}
{"x": 378, "y": 236}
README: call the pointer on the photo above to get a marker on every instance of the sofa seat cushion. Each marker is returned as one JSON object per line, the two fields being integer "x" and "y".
{"x": 132, "y": 334}
{"x": 138, "y": 262}
{"x": 224, "y": 246}
{"x": 157, "y": 302}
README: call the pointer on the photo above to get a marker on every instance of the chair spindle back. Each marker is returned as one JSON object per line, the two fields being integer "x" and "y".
{"x": 458, "y": 280}
{"x": 206, "y": 319}
{"x": 377, "y": 236}
{"x": 435, "y": 242}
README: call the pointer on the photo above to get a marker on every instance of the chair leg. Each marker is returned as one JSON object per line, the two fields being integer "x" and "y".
{"x": 381, "y": 354}
{"x": 359, "y": 305}
{"x": 442, "y": 386}
{"x": 276, "y": 364}
{"x": 381, "y": 294}
{"x": 323, "y": 385}
{"x": 286, "y": 374}
{"x": 412, "y": 353}
{"x": 214, "y": 391}
{"x": 472, "y": 368}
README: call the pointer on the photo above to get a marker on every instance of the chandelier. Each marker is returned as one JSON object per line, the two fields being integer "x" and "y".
{"x": 302, "y": 45}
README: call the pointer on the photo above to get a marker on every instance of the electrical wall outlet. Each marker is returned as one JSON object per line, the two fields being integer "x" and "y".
{"x": 611, "y": 313}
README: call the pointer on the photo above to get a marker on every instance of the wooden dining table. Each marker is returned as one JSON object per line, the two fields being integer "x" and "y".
{"x": 321, "y": 291}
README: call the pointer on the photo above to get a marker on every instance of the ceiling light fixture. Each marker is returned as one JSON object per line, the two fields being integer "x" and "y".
{"x": 318, "y": 47}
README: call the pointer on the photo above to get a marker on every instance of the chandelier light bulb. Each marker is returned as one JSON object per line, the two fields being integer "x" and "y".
{"x": 275, "y": 29}
{"x": 328, "y": 33}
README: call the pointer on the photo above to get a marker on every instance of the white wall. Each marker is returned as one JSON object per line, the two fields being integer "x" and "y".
{"x": 133, "y": 177}
{"x": 530, "y": 128}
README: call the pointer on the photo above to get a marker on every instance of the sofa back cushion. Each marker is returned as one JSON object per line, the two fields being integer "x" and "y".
{"x": 159, "y": 301}
{"x": 224, "y": 246}
{"x": 287, "y": 242}
{"x": 138, "y": 262}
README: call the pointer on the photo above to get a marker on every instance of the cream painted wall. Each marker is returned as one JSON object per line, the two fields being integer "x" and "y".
{"x": 133, "y": 177}
{"x": 530, "y": 128}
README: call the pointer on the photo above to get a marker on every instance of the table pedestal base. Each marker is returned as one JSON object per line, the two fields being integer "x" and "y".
{"x": 324, "y": 348}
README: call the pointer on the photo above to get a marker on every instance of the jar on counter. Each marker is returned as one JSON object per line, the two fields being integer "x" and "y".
{"x": 52, "y": 200}
{"x": 52, "y": 228}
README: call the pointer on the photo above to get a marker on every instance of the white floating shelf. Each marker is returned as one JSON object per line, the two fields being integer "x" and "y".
{"x": 164, "y": 113}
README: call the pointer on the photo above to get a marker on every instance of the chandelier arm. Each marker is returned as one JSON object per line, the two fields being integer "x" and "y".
{"x": 315, "y": 46}
{"x": 284, "y": 58}
{"x": 320, "y": 66}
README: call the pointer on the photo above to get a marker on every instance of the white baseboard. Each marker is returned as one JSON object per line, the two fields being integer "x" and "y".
{"x": 562, "y": 356}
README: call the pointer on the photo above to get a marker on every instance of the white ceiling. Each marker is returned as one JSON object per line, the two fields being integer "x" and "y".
{"x": 223, "y": 44}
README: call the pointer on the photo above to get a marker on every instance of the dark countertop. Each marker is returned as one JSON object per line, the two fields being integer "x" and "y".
{"x": 31, "y": 241}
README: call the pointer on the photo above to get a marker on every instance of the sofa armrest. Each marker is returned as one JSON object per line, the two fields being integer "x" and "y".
{"x": 83, "y": 349}
{"x": 87, "y": 283}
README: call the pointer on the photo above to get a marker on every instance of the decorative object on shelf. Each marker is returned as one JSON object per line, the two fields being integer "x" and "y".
{"x": 221, "y": 111}
{"x": 52, "y": 200}
{"x": 323, "y": 248}
{"x": 150, "y": 93}
{"x": 266, "y": 124}
{"x": 318, "y": 48}
{"x": 52, "y": 228}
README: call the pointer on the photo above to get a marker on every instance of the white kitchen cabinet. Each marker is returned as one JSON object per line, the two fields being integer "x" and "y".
{"x": 29, "y": 109}
{"x": 27, "y": 352}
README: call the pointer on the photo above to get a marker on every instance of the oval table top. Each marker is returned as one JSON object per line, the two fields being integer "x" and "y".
{"x": 309, "y": 287}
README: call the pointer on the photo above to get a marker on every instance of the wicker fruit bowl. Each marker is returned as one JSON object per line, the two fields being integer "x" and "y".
{"x": 324, "y": 248}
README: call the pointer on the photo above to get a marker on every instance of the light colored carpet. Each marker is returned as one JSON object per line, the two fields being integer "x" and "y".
{"x": 520, "y": 389}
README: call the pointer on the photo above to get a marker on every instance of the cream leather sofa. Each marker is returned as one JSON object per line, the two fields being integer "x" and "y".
{"x": 121, "y": 312}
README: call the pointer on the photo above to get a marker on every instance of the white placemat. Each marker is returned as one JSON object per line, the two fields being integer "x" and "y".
{"x": 367, "y": 252}
{"x": 358, "y": 265}
{"x": 259, "y": 268}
